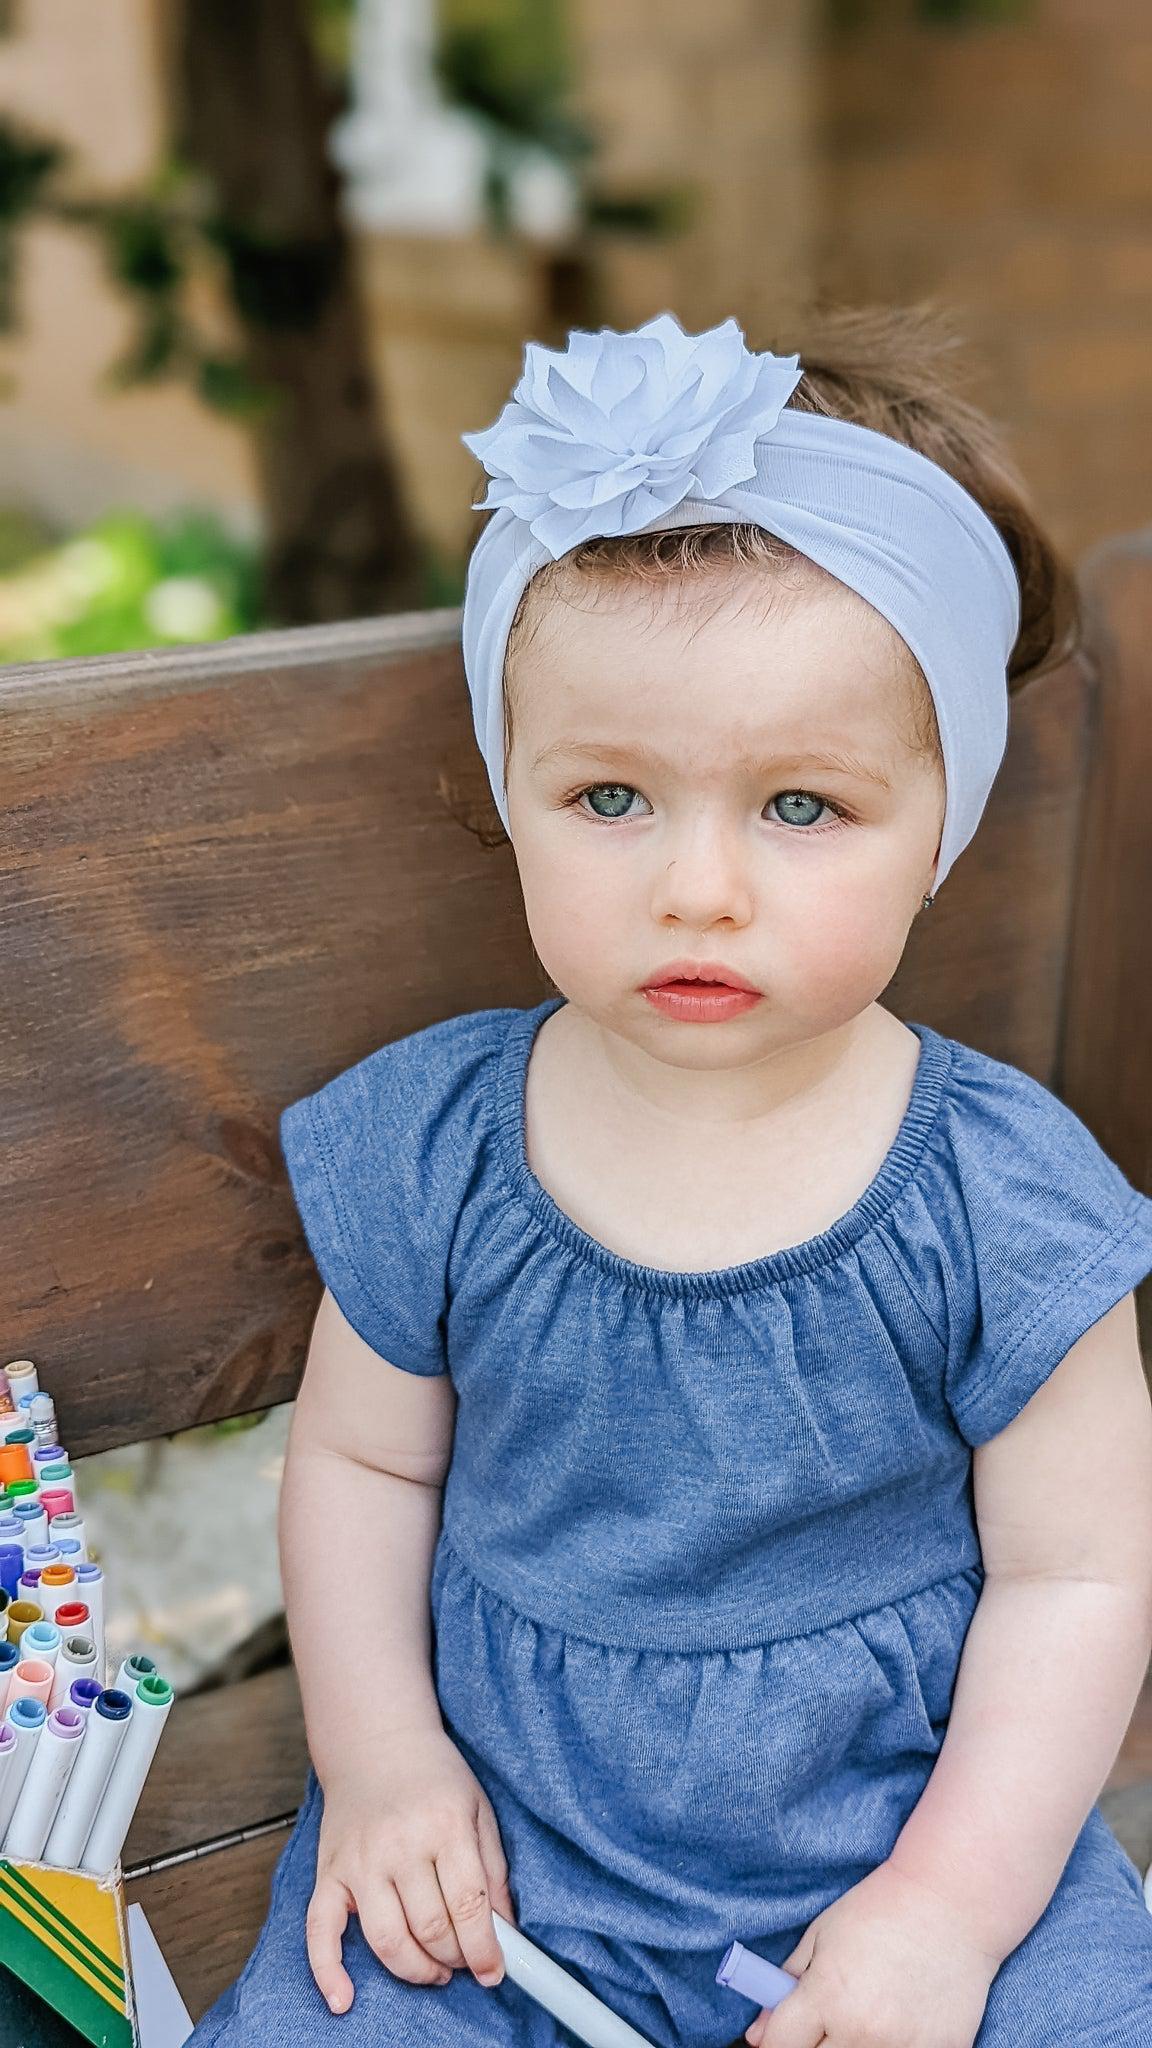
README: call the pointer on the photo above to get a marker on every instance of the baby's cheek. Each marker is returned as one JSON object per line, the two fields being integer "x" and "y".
{"x": 840, "y": 951}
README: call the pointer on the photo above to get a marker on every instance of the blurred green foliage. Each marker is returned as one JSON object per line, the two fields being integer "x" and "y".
{"x": 129, "y": 581}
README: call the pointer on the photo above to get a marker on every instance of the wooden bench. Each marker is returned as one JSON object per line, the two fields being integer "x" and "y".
{"x": 228, "y": 873}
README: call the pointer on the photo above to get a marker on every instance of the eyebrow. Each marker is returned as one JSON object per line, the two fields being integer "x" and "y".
{"x": 836, "y": 758}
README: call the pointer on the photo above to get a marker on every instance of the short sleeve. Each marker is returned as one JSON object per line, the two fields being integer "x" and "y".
{"x": 1054, "y": 1235}
{"x": 375, "y": 1161}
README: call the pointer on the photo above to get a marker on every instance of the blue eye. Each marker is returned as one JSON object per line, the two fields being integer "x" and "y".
{"x": 616, "y": 791}
{"x": 806, "y": 802}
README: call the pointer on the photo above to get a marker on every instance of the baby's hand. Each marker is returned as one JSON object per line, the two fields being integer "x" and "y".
{"x": 415, "y": 1852}
{"x": 889, "y": 1963}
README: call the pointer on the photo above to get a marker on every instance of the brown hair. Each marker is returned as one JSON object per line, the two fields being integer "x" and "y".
{"x": 884, "y": 368}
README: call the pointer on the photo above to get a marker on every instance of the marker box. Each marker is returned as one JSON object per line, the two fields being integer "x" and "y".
{"x": 65, "y": 1971}
{"x": 65, "y": 1937}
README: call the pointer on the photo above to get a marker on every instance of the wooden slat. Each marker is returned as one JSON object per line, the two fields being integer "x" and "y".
{"x": 224, "y": 874}
{"x": 228, "y": 873}
{"x": 230, "y": 1759}
{"x": 1105, "y": 1069}
{"x": 987, "y": 962}
{"x": 207, "y": 1914}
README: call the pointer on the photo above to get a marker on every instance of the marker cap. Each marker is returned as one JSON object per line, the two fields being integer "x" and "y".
{"x": 27, "y": 1712}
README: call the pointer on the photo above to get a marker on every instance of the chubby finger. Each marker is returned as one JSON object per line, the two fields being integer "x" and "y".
{"x": 495, "y": 1863}
{"x": 427, "y": 1914}
{"x": 465, "y": 1887}
{"x": 324, "y": 1925}
{"x": 384, "y": 1925}
{"x": 794, "y": 2023}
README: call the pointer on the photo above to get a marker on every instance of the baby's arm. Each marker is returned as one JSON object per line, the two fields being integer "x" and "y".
{"x": 1058, "y": 1646}
{"x": 407, "y": 1828}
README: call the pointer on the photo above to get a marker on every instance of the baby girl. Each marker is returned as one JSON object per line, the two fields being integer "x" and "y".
{"x": 725, "y": 1396}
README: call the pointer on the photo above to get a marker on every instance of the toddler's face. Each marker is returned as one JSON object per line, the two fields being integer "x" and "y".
{"x": 671, "y": 794}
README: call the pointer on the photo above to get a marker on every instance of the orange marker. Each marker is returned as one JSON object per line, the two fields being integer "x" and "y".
{"x": 56, "y": 1585}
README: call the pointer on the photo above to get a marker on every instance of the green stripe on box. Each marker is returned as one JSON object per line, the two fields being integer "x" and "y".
{"x": 59, "y": 1987}
{"x": 55, "y": 1925}
{"x": 102, "y": 1964}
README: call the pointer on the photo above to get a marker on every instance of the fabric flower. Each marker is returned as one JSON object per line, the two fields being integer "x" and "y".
{"x": 615, "y": 429}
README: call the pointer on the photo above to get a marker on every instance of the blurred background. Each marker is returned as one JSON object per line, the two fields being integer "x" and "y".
{"x": 263, "y": 261}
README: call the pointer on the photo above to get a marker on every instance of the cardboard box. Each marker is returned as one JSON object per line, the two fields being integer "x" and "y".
{"x": 64, "y": 1938}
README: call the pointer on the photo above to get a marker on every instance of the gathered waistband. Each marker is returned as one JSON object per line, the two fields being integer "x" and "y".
{"x": 615, "y": 1618}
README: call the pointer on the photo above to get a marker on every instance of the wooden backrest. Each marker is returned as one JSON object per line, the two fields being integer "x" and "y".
{"x": 229, "y": 872}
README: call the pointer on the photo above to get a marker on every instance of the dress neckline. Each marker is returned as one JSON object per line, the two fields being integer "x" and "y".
{"x": 897, "y": 1167}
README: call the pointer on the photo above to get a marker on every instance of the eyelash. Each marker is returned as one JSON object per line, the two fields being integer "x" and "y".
{"x": 842, "y": 816}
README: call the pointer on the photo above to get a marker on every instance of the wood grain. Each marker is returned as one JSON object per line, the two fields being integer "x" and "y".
{"x": 206, "y": 1915}
{"x": 1105, "y": 1066}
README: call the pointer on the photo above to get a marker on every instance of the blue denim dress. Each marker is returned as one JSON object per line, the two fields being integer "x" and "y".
{"x": 708, "y": 1553}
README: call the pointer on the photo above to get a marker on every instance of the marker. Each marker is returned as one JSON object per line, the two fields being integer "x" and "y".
{"x": 47, "y": 1454}
{"x": 108, "y": 1723}
{"x": 56, "y": 1499}
{"x": 70, "y": 1525}
{"x": 42, "y": 1416}
{"x": 23, "y": 1377}
{"x": 60, "y": 1477}
{"x": 53, "y": 1761}
{"x": 72, "y": 1617}
{"x": 9, "y": 1746}
{"x": 42, "y": 1640}
{"x": 90, "y": 1587}
{"x": 84, "y": 1692}
{"x": 57, "y": 1585}
{"x": 33, "y": 1522}
{"x": 9, "y": 1659}
{"x": 749, "y": 1974}
{"x": 132, "y": 1670}
{"x": 150, "y": 1710}
{"x": 7, "y": 1405}
{"x": 32, "y": 1679}
{"x": 77, "y": 1659}
{"x": 39, "y": 1556}
{"x": 26, "y": 1718}
{"x": 544, "y": 1980}
{"x": 11, "y": 1566}
{"x": 21, "y": 1615}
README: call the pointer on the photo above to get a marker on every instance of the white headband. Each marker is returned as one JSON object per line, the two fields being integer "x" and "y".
{"x": 653, "y": 429}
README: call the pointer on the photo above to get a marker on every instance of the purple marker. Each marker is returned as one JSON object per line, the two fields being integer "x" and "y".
{"x": 753, "y": 1977}
{"x": 84, "y": 1692}
{"x": 11, "y": 1566}
{"x": 53, "y": 1761}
